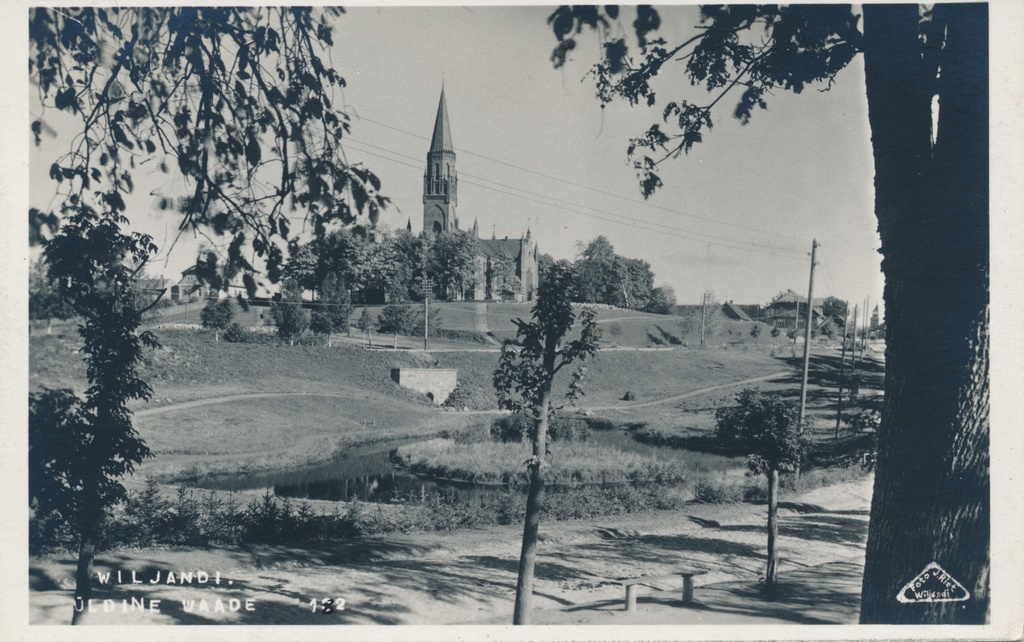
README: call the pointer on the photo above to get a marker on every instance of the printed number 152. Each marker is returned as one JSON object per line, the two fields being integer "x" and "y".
{"x": 327, "y": 605}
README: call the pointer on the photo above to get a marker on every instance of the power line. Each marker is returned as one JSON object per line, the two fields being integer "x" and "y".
{"x": 594, "y": 189}
{"x": 590, "y": 211}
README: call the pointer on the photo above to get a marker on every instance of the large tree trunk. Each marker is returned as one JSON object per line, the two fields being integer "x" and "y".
{"x": 534, "y": 503}
{"x": 771, "y": 575}
{"x": 931, "y": 493}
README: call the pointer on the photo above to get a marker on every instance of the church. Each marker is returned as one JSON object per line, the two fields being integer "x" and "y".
{"x": 492, "y": 280}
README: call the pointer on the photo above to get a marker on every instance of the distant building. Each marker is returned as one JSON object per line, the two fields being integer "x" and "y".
{"x": 440, "y": 199}
{"x": 733, "y": 311}
{"x": 190, "y": 288}
{"x": 874, "y": 319}
{"x": 783, "y": 312}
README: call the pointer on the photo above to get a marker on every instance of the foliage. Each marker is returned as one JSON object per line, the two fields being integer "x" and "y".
{"x": 452, "y": 263}
{"x": 530, "y": 362}
{"x": 834, "y": 308}
{"x": 602, "y": 276}
{"x": 235, "y": 333}
{"x": 58, "y": 438}
{"x": 459, "y": 398}
{"x": 289, "y": 316}
{"x": 44, "y": 302}
{"x": 662, "y": 301}
{"x": 755, "y": 331}
{"x": 217, "y": 314}
{"x": 766, "y": 427}
{"x": 571, "y": 463}
{"x": 216, "y": 96}
{"x": 805, "y": 44}
{"x": 397, "y": 319}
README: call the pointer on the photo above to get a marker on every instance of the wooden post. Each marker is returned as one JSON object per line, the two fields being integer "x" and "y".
{"x": 631, "y": 598}
{"x": 687, "y": 589}
{"x": 842, "y": 373}
{"x": 807, "y": 340}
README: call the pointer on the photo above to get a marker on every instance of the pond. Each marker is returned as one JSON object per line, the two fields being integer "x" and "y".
{"x": 367, "y": 474}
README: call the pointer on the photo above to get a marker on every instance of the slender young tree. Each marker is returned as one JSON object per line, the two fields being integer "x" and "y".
{"x": 768, "y": 428}
{"x": 523, "y": 381}
{"x": 929, "y": 137}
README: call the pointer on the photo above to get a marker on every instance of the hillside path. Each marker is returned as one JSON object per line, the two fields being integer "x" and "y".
{"x": 185, "y": 405}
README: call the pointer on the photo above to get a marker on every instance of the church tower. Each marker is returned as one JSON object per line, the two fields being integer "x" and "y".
{"x": 440, "y": 183}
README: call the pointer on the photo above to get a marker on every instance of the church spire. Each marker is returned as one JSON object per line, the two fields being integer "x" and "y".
{"x": 440, "y": 181}
{"x": 442, "y": 138}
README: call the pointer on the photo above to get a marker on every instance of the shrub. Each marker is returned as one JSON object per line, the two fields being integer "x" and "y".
{"x": 290, "y": 318}
{"x": 396, "y": 319}
{"x": 568, "y": 429}
{"x": 716, "y": 491}
{"x": 237, "y": 334}
{"x": 459, "y": 398}
{"x": 512, "y": 428}
{"x": 217, "y": 314}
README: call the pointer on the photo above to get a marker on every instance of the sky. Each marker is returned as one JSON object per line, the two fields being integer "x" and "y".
{"x": 535, "y": 150}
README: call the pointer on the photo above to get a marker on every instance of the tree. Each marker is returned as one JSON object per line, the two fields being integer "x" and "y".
{"x": 396, "y": 319}
{"x": 502, "y": 276}
{"x": 662, "y": 301}
{"x": 597, "y": 276}
{"x": 217, "y": 314}
{"x": 931, "y": 202}
{"x": 289, "y": 316}
{"x": 523, "y": 380}
{"x": 453, "y": 263}
{"x": 755, "y": 331}
{"x": 93, "y": 263}
{"x": 775, "y": 333}
{"x": 768, "y": 428}
{"x": 237, "y": 104}
{"x": 833, "y": 308}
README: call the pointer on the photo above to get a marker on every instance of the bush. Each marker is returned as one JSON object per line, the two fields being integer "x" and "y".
{"x": 566, "y": 429}
{"x": 459, "y": 398}
{"x": 716, "y": 491}
{"x": 290, "y": 318}
{"x": 237, "y": 334}
{"x": 217, "y": 314}
{"x": 512, "y": 428}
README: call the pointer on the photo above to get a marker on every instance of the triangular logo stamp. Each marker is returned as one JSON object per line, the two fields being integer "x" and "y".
{"x": 933, "y": 584}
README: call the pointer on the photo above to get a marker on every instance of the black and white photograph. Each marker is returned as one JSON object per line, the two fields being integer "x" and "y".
{"x": 514, "y": 321}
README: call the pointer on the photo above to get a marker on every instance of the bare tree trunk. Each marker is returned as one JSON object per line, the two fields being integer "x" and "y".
{"x": 771, "y": 575}
{"x": 931, "y": 492}
{"x": 534, "y": 503}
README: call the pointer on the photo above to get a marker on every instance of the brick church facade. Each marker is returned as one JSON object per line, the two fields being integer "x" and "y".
{"x": 495, "y": 256}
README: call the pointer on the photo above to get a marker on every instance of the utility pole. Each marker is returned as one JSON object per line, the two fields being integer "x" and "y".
{"x": 842, "y": 371}
{"x": 864, "y": 327}
{"x": 807, "y": 336}
{"x": 426, "y": 314}
{"x": 703, "y": 302}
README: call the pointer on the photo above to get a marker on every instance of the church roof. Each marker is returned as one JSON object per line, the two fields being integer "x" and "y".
{"x": 442, "y": 138}
{"x": 496, "y": 248}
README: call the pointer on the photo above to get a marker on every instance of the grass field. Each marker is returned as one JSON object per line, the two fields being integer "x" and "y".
{"x": 350, "y": 397}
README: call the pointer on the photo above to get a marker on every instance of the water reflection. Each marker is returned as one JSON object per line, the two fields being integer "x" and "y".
{"x": 367, "y": 474}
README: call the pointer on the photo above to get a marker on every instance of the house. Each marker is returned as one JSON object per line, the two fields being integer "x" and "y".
{"x": 783, "y": 311}
{"x": 733, "y": 311}
{"x": 190, "y": 288}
